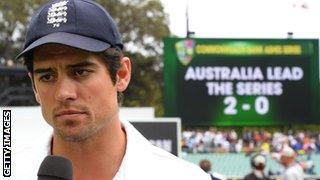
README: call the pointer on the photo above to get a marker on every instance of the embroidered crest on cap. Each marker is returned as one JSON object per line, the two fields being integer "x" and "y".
{"x": 57, "y": 14}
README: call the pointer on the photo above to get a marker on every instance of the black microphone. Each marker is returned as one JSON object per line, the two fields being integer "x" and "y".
{"x": 55, "y": 168}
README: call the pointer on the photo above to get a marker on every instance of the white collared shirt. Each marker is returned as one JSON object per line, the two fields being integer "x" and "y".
{"x": 293, "y": 172}
{"x": 142, "y": 160}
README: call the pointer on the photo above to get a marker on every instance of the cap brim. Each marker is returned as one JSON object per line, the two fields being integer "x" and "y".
{"x": 73, "y": 40}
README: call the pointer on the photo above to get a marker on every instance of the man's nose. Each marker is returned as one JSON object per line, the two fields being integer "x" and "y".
{"x": 65, "y": 90}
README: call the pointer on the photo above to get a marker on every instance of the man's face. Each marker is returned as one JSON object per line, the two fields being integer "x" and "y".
{"x": 74, "y": 90}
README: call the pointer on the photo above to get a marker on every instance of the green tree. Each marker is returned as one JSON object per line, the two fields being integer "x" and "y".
{"x": 142, "y": 23}
{"x": 14, "y": 15}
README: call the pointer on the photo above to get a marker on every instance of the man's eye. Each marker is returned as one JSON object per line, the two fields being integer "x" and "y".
{"x": 81, "y": 72}
{"x": 46, "y": 77}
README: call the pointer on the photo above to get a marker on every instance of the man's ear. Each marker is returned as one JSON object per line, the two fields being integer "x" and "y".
{"x": 34, "y": 88}
{"x": 123, "y": 74}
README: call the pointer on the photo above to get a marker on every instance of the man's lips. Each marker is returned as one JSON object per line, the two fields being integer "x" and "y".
{"x": 69, "y": 113}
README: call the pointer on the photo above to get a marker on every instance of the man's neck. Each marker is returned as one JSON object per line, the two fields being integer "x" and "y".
{"x": 289, "y": 163}
{"x": 98, "y": 157}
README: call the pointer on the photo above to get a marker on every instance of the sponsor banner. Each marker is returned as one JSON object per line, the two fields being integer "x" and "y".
{"x": 162, "y": 132}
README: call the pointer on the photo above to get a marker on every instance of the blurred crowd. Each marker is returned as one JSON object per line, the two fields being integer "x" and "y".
{"x": 263, "y": 141}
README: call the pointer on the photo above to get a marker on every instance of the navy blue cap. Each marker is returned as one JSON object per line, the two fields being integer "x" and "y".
{"x": 82, "y": 24}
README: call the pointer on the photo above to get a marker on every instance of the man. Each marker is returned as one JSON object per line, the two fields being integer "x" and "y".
{"x": 73, "y": 52}
{"x": 258, "y": 163}
{"x": 293, "y": 170}
{"x": 206, "y": 166}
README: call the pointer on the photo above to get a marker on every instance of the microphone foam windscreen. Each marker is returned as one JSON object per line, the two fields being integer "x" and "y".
{"x": 55, "y": 167}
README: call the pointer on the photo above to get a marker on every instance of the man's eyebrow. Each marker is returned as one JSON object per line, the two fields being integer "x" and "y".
{"x": 81, "y": 64}
{"x": 42, "y": 70}
{"x": 70, "y": 66}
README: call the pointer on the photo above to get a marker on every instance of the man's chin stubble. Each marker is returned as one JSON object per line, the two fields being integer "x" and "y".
{"x": 82, "y": 137}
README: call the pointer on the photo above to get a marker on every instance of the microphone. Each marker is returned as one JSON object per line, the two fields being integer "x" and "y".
{"x": 55, "y": 168}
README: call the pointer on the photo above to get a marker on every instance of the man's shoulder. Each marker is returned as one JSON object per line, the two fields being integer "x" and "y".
{"x": 296, "y": 168}
{"x": 146, "y": 161}
{"x": 293, "y": 172}
{"x": 215, "y": 176}
{"x": 250, "y": 176}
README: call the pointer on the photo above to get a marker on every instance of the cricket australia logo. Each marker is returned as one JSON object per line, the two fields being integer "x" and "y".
{"x": 185, "y": 51}
{"x": 57, "y": 14}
